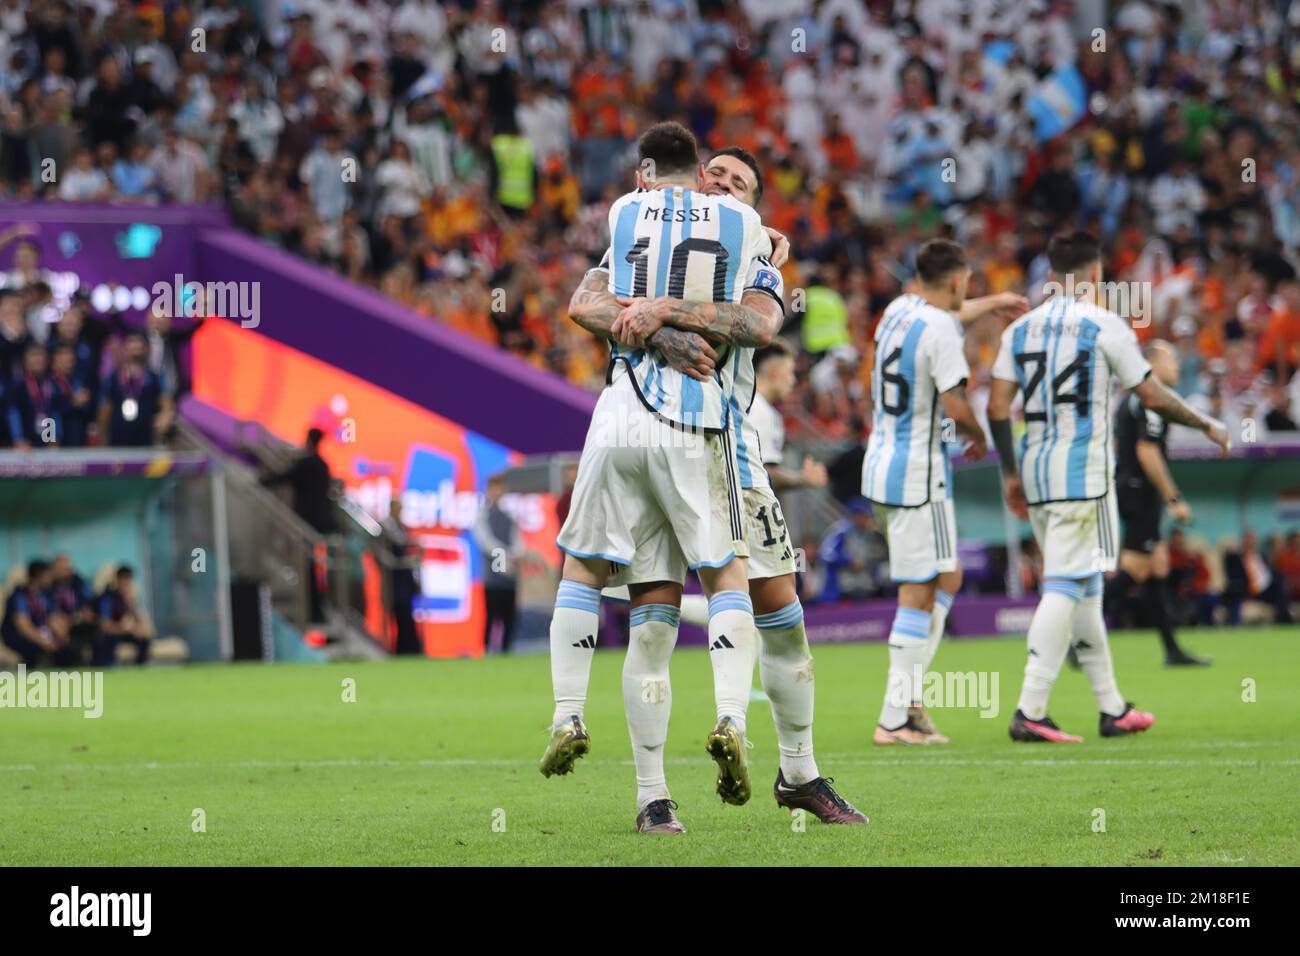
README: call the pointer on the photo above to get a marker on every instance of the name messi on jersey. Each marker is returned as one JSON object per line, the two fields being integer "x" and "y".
{"x": 695, "y": 214}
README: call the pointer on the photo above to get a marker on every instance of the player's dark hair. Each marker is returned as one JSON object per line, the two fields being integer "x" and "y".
{"x": 35, "y": 569}
{"x": 125, "y": 571}
{"x": 1071, "y": 252}
{"x": 777, "y": 348}
{"x": 937, "y": 259}
{"x": 746, "y": 157}
{"x": 671, "y": 147}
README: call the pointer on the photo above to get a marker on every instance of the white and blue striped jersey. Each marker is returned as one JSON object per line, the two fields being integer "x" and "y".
{"x": 919, "y": 356}
{"x": 1066, "y": 356}
{"x": 701, "y": 248}
{"x": 751, "y": 456}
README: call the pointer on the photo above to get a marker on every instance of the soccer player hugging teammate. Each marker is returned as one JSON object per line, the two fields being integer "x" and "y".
{"x": 919, "y": 378}
{"x": 1065, "y": 356}
{"x": 702, "y": 333}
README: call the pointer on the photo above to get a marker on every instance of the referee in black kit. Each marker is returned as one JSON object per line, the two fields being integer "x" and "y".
{"x": 1145, "y": 485}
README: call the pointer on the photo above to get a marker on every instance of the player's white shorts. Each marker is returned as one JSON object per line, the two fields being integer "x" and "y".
{"x": 640, "y": 480}
{"x": 1077, "y": 538}
{"x": 922, "y": 540}
{"x": 768, "y": 542}
{"x": 771, "y": 554}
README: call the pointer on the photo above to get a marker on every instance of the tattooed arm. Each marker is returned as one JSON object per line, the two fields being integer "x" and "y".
{"x": 752, "y": 322}
{"x": 1167, "y": 403}
{"x": 595, "y": 308}
{"x": 688, "y": 352}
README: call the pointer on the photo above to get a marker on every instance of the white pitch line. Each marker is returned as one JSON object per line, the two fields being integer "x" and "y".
{"x": 919, "y": 761}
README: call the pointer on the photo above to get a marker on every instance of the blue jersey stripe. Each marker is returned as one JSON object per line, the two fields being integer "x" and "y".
{"x": 738, "y": 425}
{"x": 1077, "y": 471}
{"x": 1049, "y": 378}
{"x": 624, "y": 239}
{"x": 877, "y": 388}
{"x": 898, "y": 462}
{"x": 665, "y": 246}
{"x": 731, "y": 233}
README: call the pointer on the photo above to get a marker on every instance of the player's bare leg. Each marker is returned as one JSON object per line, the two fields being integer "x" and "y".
{"x": 574, "y": 627}
{"x": 732, "y": 649}
{"x": 648, "y": 700}
{"x": 908, "y": 647}
{"x": 786, "y": 669}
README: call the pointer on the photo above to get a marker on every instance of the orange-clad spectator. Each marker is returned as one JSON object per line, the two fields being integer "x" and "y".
{"x": 1004, "y": 272}
{"x": 1288, "y": 565}
{"x": 1279, "y": 343}
{"x": 599, "y": 89}
{"x": 841, "y": 153}
{"x": 558, "y": 191}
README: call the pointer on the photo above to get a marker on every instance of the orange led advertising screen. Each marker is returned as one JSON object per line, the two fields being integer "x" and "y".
{"x": 382, "y": 446}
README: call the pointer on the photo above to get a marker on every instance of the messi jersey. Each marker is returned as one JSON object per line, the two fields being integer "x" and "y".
{"x": 918, "y": 357}
{"x": 681, "y": 243}
{"x": 1066, "y": 356}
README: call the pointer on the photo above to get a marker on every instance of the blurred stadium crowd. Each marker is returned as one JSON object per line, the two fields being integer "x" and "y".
{"x": 487, "y": 140}
{"x": 461, "y": 157}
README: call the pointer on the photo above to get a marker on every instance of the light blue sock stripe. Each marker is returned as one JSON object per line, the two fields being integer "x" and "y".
{"x": 730, "y": 601}
{"x": 919, "y": 635}
{"x": 788, "y": 616}
{"x": 911, "y": 622}
{"x": 661, "y": 613}
{"x": 944, "y": 599}
{"x": 1071, "y": 588}
{"x": 580, "y": 597}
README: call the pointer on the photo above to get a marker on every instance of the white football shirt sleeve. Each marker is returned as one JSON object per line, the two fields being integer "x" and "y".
{"x": 760, "y": 273}
{"x": 948, "y": 365}
{"x": 1004, "y": 366}
{"x": 1123, "y": 354}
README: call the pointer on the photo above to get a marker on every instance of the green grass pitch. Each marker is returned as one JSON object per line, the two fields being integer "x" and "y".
{"x": 435, "y": 763}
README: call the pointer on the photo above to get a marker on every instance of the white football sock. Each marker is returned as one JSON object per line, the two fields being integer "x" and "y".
{"x": 648, "y": 695}
{"x": 574, "y": 627}
{"x": 907, "y": 648}
{"x": 1049, "y": 639}
{"x": 695, "y": 610}
{"x": 1092, "y": 647}
{"x": 938, "y": 618}
{"x": 786, "y": 667}
{"x": 732, "y": 649}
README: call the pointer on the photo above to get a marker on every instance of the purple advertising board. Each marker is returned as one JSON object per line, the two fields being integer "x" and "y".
{"x": 972, "y": 615}
{"x": 114, "y": 253}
